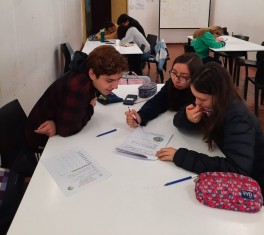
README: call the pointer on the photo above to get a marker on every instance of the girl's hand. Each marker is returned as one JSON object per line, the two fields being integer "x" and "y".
{"x": 47, "y": 128}
{"x": 130, "y": 119}
{"x": 166, "y": 154}
{"x": 194, "y": 113}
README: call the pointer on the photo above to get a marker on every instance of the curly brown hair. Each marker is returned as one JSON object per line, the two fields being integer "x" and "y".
{"x": 106, "y": 60}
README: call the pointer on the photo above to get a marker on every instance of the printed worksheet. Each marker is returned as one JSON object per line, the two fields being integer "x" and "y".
{"x": 74, "y": 170}
{"x": 143, "y": 145}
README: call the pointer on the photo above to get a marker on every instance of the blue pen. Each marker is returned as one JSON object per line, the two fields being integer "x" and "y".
{"x": 180, "y": 180}
{"x": 105, "y": 133}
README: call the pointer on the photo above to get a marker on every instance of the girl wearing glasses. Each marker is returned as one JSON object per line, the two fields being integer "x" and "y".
{"x": 173, "y": 95}
{"x": 226, "y": 121}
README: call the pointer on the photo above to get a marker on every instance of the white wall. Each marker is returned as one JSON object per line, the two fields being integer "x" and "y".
{"x": 32, "y": 30}
{"x": 31, "y": 33}
{"x": 239, "y": 16}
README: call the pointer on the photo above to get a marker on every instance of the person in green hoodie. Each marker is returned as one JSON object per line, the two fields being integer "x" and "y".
{"x": 205, "y": 38}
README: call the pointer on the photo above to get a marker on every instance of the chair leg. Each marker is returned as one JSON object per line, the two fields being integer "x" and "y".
{"x": 231, "y": 61}
{"x": 238, "y": 75}
{"x": 148, "y": 65}
{"x": 225, "y": 62}
{"x": 245, "y": 88}
{"x": 262, "y": 97}
{"x": 161, "y": 76}
{"x": 256, "y": 100}
{"x": 236, "y": 72}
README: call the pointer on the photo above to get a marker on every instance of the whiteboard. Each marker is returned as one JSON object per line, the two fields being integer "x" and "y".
{"x": 184, "y": 14}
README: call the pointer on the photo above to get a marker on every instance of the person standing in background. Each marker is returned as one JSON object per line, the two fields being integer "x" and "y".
{"x": 128, "y": 21}
{"x": 205, "y": 38}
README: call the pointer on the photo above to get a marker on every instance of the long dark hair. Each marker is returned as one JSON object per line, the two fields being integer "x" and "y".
{"x": 193, "y": 62}
{"x": 213, "y": 79}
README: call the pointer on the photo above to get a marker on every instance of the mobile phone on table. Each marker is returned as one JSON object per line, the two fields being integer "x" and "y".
{"x": 130, "y": 99}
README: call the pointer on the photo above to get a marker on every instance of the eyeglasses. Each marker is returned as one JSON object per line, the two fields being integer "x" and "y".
{"x": 182, "y": 79}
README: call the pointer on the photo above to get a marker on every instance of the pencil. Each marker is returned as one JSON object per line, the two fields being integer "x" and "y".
{"x": 134, "y": 117}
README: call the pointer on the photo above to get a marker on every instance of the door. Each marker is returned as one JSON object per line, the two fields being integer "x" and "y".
{"x": 100, "y": 13}
{"x": 118, "y": 7}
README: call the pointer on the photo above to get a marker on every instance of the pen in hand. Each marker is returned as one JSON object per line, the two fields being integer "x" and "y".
{"x": 134, "y": 117}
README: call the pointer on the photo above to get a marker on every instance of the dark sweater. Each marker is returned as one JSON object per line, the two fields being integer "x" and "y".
{"x": 160, "y": 103}
{"x": 241, "y": 141}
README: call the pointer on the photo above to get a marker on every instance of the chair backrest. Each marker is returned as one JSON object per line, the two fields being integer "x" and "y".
{"x": 12, "y": 124}
{"x": 260, "y": 54}
{"x": 245, "y": 38}
{"x": 68, "y": 55}
{"x": 152, "y": 40}
{"x": 225, "y": 31}
{"x": 188, "y": 48}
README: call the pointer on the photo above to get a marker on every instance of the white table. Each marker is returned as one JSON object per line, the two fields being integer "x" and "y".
{"x": 90, "y": 45}
{"x": 236, "y": 45}
{"x": 133, "y": 201}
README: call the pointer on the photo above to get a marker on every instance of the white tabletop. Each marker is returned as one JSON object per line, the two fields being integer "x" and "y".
{"x": 90, "y": 45}
{"x": 133, "y": 200}
{"x": 236, "y": 44}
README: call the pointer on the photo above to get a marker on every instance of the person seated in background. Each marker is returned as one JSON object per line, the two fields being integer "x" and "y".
{"x": 130, "y": 34}
{"x": 110, "y": 31}
{"x": 225, "y": 120}
{"x": 128, "y": 21}
{"x": 68, "y": 103}
{"x": 173, "y": 95}
{"x": 205, "y": 38}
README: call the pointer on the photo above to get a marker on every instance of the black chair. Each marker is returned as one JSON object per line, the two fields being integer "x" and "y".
{"x": 152, "y": 40}
{"x": 230, "y": 56}
{"x": 14, "y": 154}
{"x": 158, "y": 54}
{"x": 258, "y": 82}
{"x": 225, "y": 32}
{"x": 188, "y": 48}
{"x": 240, "y": 62}
{"x": 68, "y": 55}
{"x": 12, "y": 123}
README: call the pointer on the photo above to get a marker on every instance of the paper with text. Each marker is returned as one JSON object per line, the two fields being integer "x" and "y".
{"x": 74, "y": 170}
{"x": 143, "y": 145}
